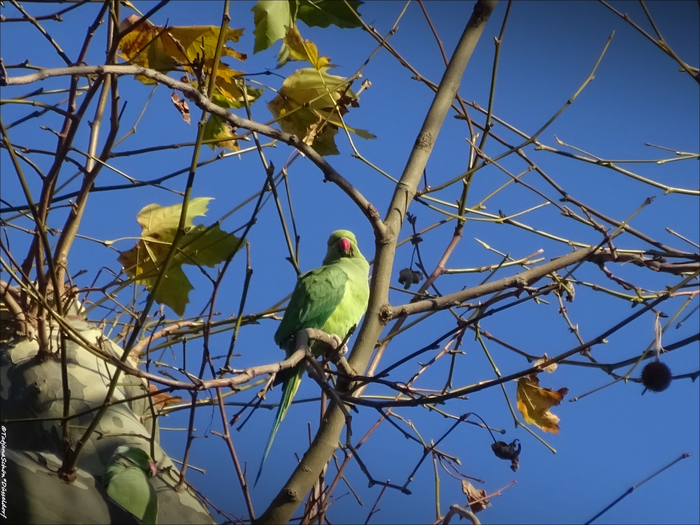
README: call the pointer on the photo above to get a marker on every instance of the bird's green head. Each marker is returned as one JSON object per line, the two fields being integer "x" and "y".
{"x": 342, "y": 243}
{"x": 137, "y": 457}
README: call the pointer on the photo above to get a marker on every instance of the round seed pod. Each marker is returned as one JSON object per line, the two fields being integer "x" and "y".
{"x": 656, "y": 376}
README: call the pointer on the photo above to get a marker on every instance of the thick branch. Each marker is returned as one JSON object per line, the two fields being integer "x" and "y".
{"x": 518, "y": 280}
{"x": 656, "y": 264}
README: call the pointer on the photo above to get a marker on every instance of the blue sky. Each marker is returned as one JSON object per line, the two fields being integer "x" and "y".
{"x": 609, "y": 440}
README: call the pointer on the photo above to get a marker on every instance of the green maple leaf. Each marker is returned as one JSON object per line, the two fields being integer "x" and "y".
{"x": 322, "y": 13}
{"x": 272, "y": 17}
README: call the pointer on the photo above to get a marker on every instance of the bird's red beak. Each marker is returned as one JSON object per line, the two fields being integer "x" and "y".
{"x": 345, "y": 245}
{"x": 154, "y": 467}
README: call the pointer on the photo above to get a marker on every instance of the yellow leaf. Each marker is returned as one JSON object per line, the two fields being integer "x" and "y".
{"x": 166, "y": 48}
{"x": 300, "y": 49}
{"x": 534, "y": 403}
{"x": 229, "y": 89}
{"x": 218, "y": 133}
{"x": 308, "y": 105}
{"x": 144, "y": 47}
{"x": 201, "y": 41}
{"x": 201, "y": 246}
{"x": 318, "y": 89}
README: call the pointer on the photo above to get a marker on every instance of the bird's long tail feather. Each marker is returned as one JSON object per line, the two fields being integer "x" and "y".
{"x": 289, "y": 390}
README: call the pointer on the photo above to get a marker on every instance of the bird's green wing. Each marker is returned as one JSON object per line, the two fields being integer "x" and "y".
{"x": 126, "y": 481}
{"x": 316, "y": 296}
{"x": 354, "y": 302}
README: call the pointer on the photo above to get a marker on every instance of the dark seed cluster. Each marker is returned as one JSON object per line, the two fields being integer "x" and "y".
{"x": 656, "y": 376}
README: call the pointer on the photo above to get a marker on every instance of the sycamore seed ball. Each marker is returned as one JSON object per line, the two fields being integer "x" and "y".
{"x": 656, "y": 376}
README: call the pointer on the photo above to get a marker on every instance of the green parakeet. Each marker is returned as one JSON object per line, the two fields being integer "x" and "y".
{"x": 126, "y": 481}
{"x": 331, "y": 298}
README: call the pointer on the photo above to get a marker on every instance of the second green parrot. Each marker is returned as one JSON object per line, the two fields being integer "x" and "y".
{"x": 333, "y": 299}
{"x": 127, "y": 483}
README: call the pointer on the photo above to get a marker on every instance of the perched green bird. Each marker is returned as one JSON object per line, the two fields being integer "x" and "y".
{"x": 127, "y": 483}
{"x": 332, "y": 299}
